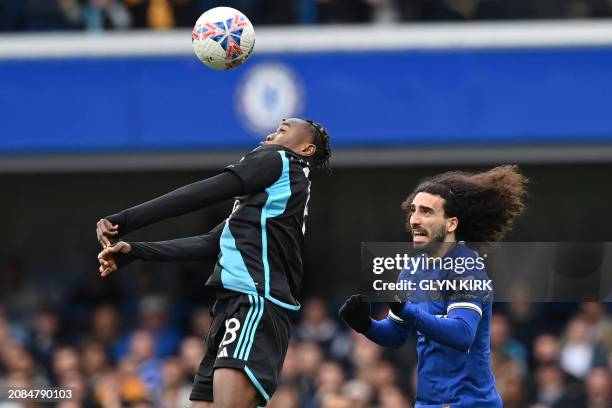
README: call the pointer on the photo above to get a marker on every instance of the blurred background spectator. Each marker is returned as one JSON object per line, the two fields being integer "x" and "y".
{"x": 95, "y": 15}
{"x": 571, "y": 370}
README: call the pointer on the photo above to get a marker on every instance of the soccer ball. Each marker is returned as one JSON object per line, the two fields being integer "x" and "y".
{"x": 223, "y": 38}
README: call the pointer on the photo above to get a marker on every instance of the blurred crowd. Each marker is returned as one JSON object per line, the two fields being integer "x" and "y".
{"x": 543, "y": 355}
{"x": 95, "y": 15}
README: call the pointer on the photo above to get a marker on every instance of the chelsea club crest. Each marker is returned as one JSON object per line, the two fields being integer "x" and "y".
{"x": 269, "y": 93}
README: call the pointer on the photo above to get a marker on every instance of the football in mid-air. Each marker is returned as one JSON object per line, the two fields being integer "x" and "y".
{"x": 223, "y": 38}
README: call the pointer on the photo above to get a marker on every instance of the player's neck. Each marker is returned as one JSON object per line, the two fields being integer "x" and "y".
{"x": 442, "y": 249}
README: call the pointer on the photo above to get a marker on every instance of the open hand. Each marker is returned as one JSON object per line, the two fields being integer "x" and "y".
{"x": 106, "y": 257}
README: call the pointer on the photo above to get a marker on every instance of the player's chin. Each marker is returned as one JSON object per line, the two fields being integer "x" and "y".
{"x": 420, "y": 242}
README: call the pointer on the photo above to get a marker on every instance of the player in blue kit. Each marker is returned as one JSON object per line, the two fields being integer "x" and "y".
{"x": 453, "y": 328}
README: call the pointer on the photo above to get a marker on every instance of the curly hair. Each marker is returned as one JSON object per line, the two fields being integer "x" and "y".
{"x": 485, "y": 204}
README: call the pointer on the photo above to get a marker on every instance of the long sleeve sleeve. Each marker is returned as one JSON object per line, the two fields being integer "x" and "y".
{"x": 388, "y": 332}
{"x": 180, "y": 201}
{"x": 196, "y": 248}
{"x": 458, "y": 330}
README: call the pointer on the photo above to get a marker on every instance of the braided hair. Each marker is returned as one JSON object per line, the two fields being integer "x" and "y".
{"x": 323, "y": 153}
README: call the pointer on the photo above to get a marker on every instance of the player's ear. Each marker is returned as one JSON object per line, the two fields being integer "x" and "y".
{"x": 308, "y": 150}
{"x": 451, "y": 224}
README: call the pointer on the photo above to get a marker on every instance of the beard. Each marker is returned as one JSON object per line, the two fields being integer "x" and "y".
{"x": 435, "y": 243}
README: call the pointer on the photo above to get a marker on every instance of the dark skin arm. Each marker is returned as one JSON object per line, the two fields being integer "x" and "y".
{"x": 196, "y": 248}
{"x": 180, "y": 201}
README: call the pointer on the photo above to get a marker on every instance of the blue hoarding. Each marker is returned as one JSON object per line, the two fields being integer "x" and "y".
{"x": 390, "y": 98}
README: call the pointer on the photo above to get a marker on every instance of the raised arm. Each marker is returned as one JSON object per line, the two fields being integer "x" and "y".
{"x": 180, "y": 201}
{"x": 256, "y": 171}
{"x": 197, "y": 248}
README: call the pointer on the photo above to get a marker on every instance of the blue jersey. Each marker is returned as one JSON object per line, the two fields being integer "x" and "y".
{"x": 448, "y": 377}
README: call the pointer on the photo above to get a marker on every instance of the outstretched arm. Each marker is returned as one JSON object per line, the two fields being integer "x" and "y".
{"x": 180, "y": 201}
{"x": 255, "y": 171}
{"x": 197, "y": 248}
